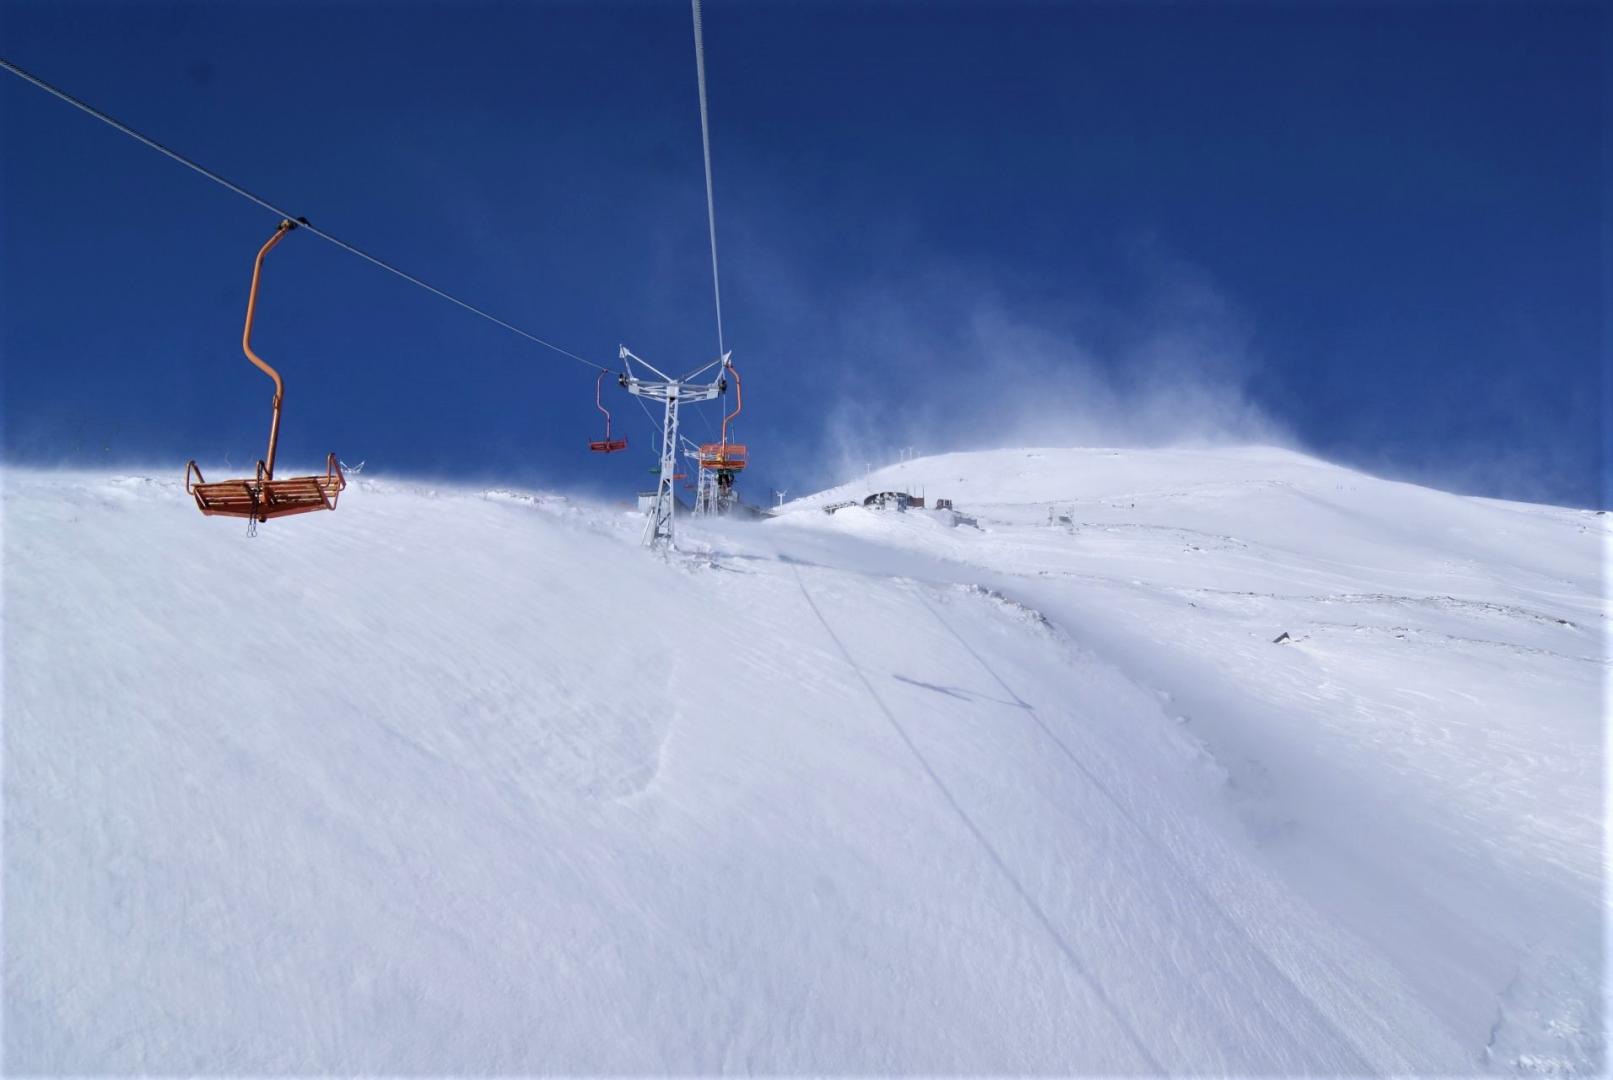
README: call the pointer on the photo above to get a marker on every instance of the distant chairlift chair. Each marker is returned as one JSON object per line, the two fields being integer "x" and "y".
{"x": 263, "y": 497}
{"x": 723, "y": 457}
{"x": 607, "y": 445}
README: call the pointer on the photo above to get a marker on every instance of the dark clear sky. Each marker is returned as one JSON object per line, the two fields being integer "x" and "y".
{"x": 1377, "y": 232}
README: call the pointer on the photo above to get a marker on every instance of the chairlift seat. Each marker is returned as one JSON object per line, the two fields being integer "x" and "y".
{"x": 724, "y": 457}
{"x": 263, "y": 498}
{"x": 608, "y": 446}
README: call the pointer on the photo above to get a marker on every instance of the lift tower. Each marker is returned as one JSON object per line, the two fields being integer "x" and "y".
{"x": 671, "y": 392}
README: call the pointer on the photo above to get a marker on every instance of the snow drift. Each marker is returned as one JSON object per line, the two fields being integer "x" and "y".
{"x": 463, "y": 781}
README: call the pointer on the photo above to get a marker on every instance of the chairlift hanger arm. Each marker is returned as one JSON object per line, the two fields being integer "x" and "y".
{"x": 286, "y": 226}
{"x": 739, "y": 398}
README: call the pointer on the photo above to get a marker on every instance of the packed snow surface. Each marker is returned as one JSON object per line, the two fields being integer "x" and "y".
{"x": 464, "y": 781}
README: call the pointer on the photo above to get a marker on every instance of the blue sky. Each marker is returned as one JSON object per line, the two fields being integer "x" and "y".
{"x": 1377, "y": 232}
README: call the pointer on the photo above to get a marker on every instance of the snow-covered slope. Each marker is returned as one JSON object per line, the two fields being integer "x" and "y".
{"x": 458, "y": 781}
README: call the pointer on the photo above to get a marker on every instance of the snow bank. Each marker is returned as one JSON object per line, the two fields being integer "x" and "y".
{"x": 458, "y": 781}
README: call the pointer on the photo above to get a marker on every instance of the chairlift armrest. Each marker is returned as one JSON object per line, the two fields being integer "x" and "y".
{"x": 333, "y": 471}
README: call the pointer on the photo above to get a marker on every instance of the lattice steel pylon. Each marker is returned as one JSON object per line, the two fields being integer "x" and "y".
{"x": 707, "y": 497}
{"x": 659, "y": 522}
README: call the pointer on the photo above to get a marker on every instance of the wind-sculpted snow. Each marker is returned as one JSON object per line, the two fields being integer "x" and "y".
{"x": 462, "y": 781}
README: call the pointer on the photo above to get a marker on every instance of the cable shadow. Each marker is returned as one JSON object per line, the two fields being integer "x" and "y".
{"x": 996, "y": 858}
{"x": 1198, "y": 891}
{"x": 947, "y": 690}
{"x": 955, "y": 692}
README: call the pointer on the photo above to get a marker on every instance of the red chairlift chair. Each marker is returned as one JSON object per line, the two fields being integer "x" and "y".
{"x": 724, "y": 456}
{"x": 607, "y": 445}
{"x": 262, "y": 496}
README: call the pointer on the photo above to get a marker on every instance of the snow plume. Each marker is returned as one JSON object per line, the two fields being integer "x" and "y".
{"x": 953, "y": 365}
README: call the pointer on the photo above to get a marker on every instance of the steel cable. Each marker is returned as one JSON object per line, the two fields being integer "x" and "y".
{"x": 84, "y": 106}
{"x": 705, "y": 144}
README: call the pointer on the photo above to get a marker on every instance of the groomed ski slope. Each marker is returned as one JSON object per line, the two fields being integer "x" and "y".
{"x": 463, "y": 781}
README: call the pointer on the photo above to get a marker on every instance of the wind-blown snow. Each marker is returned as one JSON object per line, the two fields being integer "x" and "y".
{"x": 462, "y": 781}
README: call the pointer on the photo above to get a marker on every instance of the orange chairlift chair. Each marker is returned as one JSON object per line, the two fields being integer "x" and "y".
{"x": 263, "y": 497}
{"x": 724, "y": 456}
{"x": 607, "y": 445}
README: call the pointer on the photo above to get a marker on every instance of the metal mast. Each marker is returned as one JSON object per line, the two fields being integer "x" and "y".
{"x": 658, "y": 524}
{"x": 707, "y": 496}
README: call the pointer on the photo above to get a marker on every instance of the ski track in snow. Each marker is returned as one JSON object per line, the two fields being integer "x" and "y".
{"x": 462, "y": 781}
